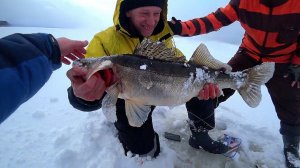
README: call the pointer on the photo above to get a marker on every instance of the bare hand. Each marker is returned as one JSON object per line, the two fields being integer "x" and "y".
{"x": 89, "y": 90}
{"x": 71, "y": 49}
{"x": 209, "y": 91}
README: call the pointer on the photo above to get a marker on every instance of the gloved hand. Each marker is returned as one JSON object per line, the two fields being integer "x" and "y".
{"x": 294, "y": 73}
{"x": 93, "y": 88}
{"x": 175, "y": 25}
{"x": 209, "y": 91}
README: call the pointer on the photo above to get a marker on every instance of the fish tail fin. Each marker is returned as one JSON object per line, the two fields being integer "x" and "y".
{"x": 257, "y": 76}
{"x": 202, "y": 56}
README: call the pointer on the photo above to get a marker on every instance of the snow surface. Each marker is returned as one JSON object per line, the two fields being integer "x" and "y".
{"x": 48, "y": 132}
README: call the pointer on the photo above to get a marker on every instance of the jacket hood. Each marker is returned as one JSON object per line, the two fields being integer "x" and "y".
{"x": 121, "y": 22}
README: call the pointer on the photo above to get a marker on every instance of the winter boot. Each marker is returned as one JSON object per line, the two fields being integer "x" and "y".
{"x": 291, "y": 151}
{"x": 201, "y": 140}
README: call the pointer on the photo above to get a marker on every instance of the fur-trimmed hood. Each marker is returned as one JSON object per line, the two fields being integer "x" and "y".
{"x": 121, "y": 22}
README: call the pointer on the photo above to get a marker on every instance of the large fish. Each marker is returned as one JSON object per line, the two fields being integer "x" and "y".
{"x": 152, "y": 75}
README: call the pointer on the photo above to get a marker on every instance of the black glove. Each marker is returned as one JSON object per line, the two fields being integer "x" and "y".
{"x": 294, "y": 73}
{"x": 175, "y": 25}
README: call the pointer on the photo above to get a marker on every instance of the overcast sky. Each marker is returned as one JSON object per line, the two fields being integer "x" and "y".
{"x": 99, "y": 13}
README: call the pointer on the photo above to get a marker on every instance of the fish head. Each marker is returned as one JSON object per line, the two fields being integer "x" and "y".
{"x": 93, "y": 65}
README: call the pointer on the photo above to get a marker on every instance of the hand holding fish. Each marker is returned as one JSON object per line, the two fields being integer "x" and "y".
{"x": 90, "y": 89}
{"x": 71, "y": 49}
{"x": 209, "y": 91}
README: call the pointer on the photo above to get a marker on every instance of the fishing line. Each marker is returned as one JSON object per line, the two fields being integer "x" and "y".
{"x": 217, "y": 100}
{"x": 201, "y": 119}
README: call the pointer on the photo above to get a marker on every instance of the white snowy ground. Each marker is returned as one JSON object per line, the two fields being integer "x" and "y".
{"x": 47, "y": 132}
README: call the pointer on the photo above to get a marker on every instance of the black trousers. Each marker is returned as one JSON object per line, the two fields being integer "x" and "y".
{"x": 140, "y": 140}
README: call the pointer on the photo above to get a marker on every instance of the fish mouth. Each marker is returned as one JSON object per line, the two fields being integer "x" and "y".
{"x": 78, "y": 63}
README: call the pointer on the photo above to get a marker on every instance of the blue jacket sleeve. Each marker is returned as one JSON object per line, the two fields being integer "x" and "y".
{"x": 26, "y": 63}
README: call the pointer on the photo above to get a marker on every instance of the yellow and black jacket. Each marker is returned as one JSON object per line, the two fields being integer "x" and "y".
{"x": 121, "y": 39}
{"x": 271, "y": 27}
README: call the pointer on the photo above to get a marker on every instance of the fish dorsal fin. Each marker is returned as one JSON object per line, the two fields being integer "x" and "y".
{"x": 157, "y": 50}
{"x": 202, "y": 56}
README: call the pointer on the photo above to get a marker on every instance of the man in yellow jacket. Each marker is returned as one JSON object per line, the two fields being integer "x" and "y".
{"x": 133, "y": 21}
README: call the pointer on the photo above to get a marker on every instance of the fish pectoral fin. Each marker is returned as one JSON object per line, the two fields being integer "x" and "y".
{"x": 136, "y": 114}
{"x": 202, "y": 56}
{"x": 109, "y": 103}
